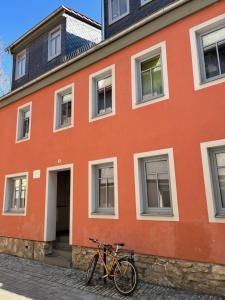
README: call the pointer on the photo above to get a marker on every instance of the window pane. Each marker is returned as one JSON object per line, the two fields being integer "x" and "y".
{"x": 149, "y": 64}
{"x": 220, "y": 159}
{"x": 101, "y": 101}
{"x": 157, "y": 81}
{"x": 221, "y": 173}
{"x": 115, "y": 9}
{"x": 111, "y": 194}
{"x": 159, "y": 166}
{"x": 108, "y": 96}
{"x": 25, "y": 124}
{"x": 213, "y": 37}
{"x": 221, "y": 49}
{"x": 152, "y": 191}
{"x": 102, "y": 194}
{"x": 146, "y": 84}
{"x": 123, "y": 7}
{"x": 164, "y": 190}
{"x": 211, "y": 62}
{"x": 104, "y": 82}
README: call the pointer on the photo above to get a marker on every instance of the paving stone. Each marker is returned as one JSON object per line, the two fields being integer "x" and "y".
{"x": 24, "y": 279}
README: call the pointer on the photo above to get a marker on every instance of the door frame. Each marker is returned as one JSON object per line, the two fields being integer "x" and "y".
{"x": 51, "y": 202}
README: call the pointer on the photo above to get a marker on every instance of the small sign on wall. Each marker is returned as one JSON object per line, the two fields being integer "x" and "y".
{"x": 36, "y": 174}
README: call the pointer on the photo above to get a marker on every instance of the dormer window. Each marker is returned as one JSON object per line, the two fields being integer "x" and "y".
{"x": 20, "y": 64}
{"x": 54, "y": 43}
{"x": 118, "y": 9}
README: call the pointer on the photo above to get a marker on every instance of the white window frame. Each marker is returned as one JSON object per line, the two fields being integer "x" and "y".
{"x": 143, "y": 2}
{"x": 50, "y": 57}
{"x": 17, "y": 75}
{"x": 111, "y": 21}
{"x": 93, "y": 78}
{"x": 208, "y": 181}
{"x": 92, "y": 188}
{"x": 195, "y": 32}
{"x": 57, "y": 98}
{"x": 138, "y": 175}
{"x": 5, "y": 211}
{"x": 20, "y": 111}
{"x": 159, "y": 49}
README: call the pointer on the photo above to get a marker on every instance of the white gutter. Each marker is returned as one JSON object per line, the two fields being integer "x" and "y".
{"x": 102, "y": 44}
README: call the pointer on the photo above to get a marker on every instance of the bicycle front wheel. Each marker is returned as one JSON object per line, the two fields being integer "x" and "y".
{"x": 91, "y": 269}
{"x": 125, "y": 277}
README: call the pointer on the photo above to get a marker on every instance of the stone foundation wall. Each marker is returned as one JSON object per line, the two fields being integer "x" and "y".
{"x": 25, "y": 248}
{"x": 201, "y": 277}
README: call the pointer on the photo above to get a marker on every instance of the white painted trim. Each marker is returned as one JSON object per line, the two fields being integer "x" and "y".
{"x": 56, "y": 95}
{"x": 110, "y": 20}
{"x": 11, "y": 214}
{"x": 59, "y": 27}
{"x": 91, "y": 192}
{"x": 22, "y": 107}
{"x": 138, "y": 185}
{"x": 24, "y": 52}
{"x": 148, "y": 53}
{"x": 92, "y": 93}
{"x": 52, "y": 169}
{"x": 194, "y": 32}
{"x": 205, "y": 147}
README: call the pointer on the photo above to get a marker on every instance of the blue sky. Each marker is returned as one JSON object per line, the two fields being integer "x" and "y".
{"x": 18, "y": 16}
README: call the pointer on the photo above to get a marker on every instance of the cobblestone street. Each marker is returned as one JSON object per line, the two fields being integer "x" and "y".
{"x": 22, "y": 279}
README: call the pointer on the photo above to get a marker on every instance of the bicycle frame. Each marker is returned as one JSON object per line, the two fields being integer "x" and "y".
{"x": 113, "y": 261}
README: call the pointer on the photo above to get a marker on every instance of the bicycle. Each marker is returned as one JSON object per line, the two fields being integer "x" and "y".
{"x": 121, "y": 269}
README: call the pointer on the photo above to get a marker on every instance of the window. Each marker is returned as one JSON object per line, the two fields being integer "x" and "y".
{"x": 155, "y": 184}
{"x": 54, "y": 43}
{"x": 23, "y": 123}
{"x": 149, "y": 76}
{"x": 213, "y": 49}
{"x": 15, "y": 193}
{"x": 208, "y": 52}
{"x": 217, "y": 158}
{"x": 102, "y": 94}
{"x": 64, "y": 105}
{"x": 103, "y": 188}
{"x": 118, "y": 9}
{"x": 20, "y": 64}
{"x": 213, "y": 161}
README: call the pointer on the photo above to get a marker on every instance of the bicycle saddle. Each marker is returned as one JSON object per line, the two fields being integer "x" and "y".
{"x": 120, "y": 244}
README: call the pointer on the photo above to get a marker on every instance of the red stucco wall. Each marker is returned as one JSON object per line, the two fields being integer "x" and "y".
{"x": 184, "y": 121}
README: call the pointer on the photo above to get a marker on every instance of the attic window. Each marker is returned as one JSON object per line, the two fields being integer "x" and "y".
{"x": 20, "y": 64}
{"x": 54, "y": 43}
{"x": 118, "y": 9}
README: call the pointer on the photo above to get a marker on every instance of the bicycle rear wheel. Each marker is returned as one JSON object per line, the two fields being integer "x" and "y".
{"x": 91, "y": 269}
{"x": 125, "y": 277}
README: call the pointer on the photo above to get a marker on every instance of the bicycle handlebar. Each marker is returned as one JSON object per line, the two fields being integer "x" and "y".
{"x": 109, "y": 246}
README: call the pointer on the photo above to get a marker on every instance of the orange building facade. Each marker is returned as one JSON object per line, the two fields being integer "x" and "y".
{"x": 183, "y": 126}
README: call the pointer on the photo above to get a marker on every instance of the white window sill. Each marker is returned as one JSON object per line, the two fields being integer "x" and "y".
{"x": 14, "y": 214}
{"x": 58, "y": 129}
{"x": 22, "y": 140}
{"x": 103, "y": 216}
{"x": 149, "y": 102}
{"x": 100, "y": 117}
{"x": 209, "y": 83}
{"x": 157, "y": 218}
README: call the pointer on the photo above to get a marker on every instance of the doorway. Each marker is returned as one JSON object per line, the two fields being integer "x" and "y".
{"x": 58, "y": 210}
